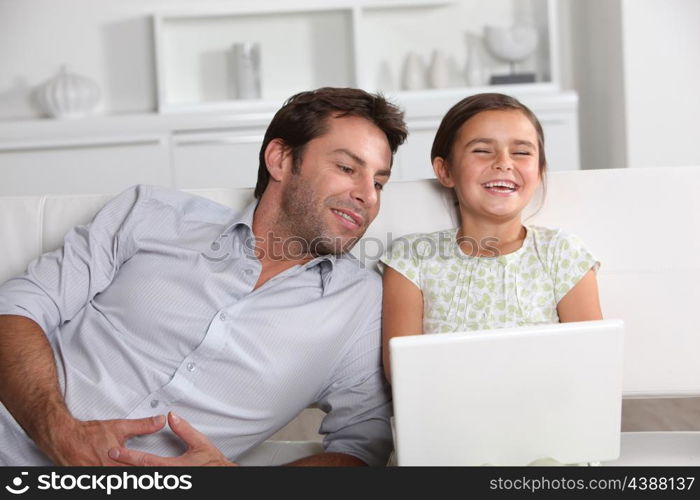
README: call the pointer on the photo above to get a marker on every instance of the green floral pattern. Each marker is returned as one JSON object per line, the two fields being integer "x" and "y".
{"x": 462, "y": 293}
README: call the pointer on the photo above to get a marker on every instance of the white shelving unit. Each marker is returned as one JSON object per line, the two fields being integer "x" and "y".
{"x": 202, "y": 137}
{"x": 335, "y": 44}
{"x": 301, "y": 48}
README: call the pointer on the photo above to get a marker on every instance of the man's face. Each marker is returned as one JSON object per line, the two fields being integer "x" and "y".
{"x": 334, "y": 196}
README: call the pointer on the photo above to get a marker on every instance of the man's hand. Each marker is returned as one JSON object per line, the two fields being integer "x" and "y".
{"x": 30, "y": 391}
{"x": 200, "y": 451}
{"x": 88, "y": 442}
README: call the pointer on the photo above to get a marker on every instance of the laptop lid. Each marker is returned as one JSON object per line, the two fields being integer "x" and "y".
{"x": 511, "y": 396}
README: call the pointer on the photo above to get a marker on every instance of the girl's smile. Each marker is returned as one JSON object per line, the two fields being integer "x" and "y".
{"x": 501, "y": 187}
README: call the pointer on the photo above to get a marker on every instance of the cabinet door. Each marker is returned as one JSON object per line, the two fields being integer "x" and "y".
{"x": 215, "y": 160}
{"x": 77, "y": 166}
{"x": 561, "y": 139}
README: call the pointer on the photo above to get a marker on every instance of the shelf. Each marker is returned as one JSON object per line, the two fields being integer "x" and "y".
{"x": 221, "y": 146}
{"x": 450, "y": 30}
{"x": 300, "y": 49}
{"x": 337, "y": 44}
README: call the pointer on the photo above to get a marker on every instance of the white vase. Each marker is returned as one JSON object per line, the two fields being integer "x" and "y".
{"x": 438, "y": 75}
{"x": 246, "y": 69}
{"x": 68, "y": 95}
{"x": 385, "y": 81}
{"x": 413, "y": 72}
{"x": 475, "y": 72}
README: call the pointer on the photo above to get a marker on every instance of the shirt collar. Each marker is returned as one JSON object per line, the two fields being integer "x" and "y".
{"x": 326, "y": 266}
{"x": 326, "y": 263}
{"x": 242, "y": 218}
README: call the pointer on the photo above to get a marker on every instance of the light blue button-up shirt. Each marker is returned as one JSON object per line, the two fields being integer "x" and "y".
{"x": 151, "y": 308}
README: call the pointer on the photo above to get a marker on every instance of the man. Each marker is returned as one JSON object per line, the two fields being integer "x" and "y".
{"x": 169, "y": 303}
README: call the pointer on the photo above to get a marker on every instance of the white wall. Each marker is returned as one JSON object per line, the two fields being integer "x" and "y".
{"x": 661, "y": 43}
{"x": 110, "y": 41}
{"x": 107, "y": 41}
{"x": 596, "y": 70}
{"x": 636, "y": 66}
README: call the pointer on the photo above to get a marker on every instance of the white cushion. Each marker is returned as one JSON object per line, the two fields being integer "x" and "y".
{"x": 20, "y": 233}
{"x": 643, "y": 225}
{"x": 61, "y": 213}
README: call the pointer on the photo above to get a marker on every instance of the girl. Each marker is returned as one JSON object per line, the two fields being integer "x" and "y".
{"x": 491, "y": 271}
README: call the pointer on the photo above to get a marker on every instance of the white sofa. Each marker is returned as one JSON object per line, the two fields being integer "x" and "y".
{"x": 643, "y": 225}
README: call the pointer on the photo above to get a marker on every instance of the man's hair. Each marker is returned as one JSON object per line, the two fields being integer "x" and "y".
{"x": 304, "y": 117}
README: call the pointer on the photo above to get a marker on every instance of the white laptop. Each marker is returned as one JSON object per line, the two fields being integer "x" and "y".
{"x": 542, "y": 394}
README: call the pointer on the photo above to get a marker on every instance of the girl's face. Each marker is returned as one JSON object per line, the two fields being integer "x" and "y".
{"x": 494, "y": 167}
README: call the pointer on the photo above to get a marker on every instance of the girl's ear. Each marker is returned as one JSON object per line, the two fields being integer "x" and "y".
{"x": 278, "y": 159}
{"x": 442, "y": 172}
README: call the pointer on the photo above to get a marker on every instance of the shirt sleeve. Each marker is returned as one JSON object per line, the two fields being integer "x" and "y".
{"x": 358, "y": 399}
{"x": 58, "y": 284}
{"x": 404, "y": 257}
{"x": 570, "y": 261}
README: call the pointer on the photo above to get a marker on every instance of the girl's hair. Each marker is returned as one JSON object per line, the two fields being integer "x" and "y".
{"x": 471, "y": 106}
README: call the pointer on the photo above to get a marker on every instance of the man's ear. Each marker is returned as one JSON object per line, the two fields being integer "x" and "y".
{"x": 278, "y": 159}
{"x": 442, "y": 172}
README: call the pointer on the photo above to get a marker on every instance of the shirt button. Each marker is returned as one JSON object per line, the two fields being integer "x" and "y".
{"x": 222, "y": 316}
{"x": 190, "y": 366}
{"x": 248, "y": 272}
{"x": 154, "y": 403}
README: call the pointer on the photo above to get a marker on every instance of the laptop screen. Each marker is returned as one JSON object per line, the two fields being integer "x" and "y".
{"x": 515, "y": 396}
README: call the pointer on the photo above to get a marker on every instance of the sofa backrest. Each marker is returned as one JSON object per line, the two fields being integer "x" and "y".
{"x": 642, "y": 224}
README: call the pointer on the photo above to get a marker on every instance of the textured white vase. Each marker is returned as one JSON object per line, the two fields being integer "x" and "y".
{"x": 413, "y": 72}
{"x": 68, "y": 95}
{"x": 439, "y": 72}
